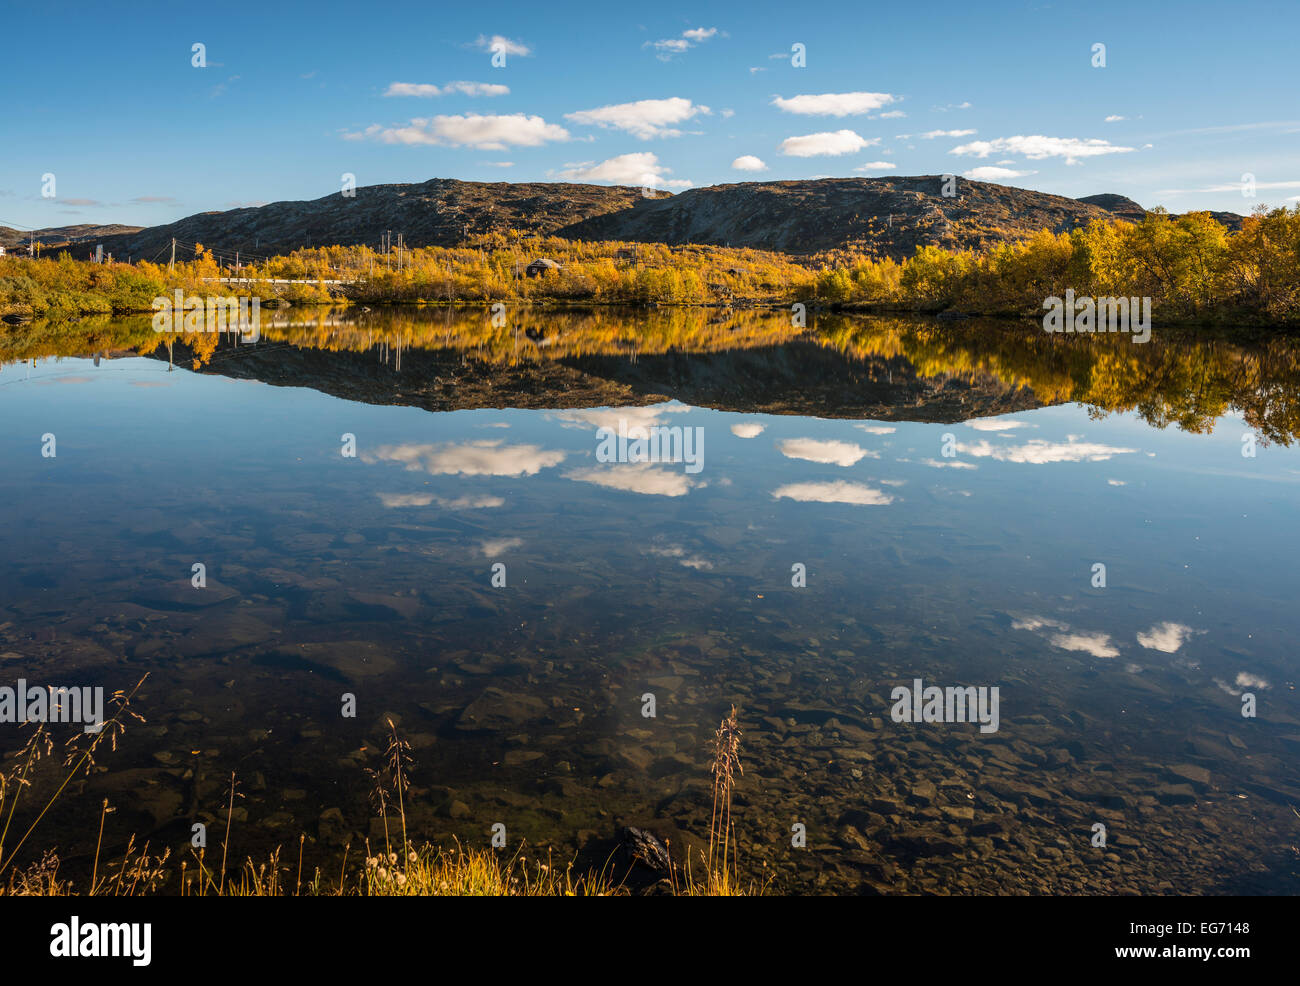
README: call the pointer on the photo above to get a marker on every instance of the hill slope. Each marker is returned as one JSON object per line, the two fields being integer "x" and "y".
{"x": 886, "y": 216}
{"x": 440, "y": 212}
{"x": 16, "y": 240}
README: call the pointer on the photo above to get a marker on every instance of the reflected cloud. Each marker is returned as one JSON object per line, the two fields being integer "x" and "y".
{"x": 876, "y": 429}
{"x": 478, "y": 458}
{"x": 609, "y": 417}
{"x": 1039, "y": 451}
{"x": 1244, "y": 680}
{"x": 1166, "y": 637}
{"x": 640, "y": 478}
{"x": 405, "y": 499}
{"x": 830, "y": 453}
{"x": 498, "y": 546}
{"x": 687, "y": 561}
{"x": 1097, "y": 644}
{"x": 996, "y": 424}
{"x": 836, "y": 492}
{"x": 748, "y": 429}
{"x": 424, "y": 499}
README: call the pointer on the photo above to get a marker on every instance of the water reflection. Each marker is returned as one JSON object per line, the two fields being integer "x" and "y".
{"x": 946, "y": 489}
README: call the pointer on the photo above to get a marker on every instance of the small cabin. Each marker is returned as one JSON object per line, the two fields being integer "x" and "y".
{"x": 540, "y": 266}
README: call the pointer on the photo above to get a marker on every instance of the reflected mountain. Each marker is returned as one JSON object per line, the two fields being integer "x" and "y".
{"x": 882, "y": 368}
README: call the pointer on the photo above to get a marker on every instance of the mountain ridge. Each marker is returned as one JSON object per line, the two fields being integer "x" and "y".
{"x": 884, "y": 216}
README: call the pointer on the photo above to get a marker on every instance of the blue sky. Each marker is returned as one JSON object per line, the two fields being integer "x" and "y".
{"x": 104, "y": 96}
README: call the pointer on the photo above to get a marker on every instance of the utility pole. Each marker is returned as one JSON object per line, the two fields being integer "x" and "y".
{"x": 172, "y": 266}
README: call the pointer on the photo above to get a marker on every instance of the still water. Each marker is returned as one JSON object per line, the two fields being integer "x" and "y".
{"x": 876, "y": 501}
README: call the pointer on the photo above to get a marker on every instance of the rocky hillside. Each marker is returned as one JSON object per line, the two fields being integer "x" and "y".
{"x": 440, "y": 212}
{"x": 887, "y": 216}
{"x": 1124, "y": 207}
{"x": 16, "y": 240}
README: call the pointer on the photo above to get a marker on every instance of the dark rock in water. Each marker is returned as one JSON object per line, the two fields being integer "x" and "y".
{"x": 1190, "y": 773}
{"x": 16, "y": 318}
{"x": 637, "y": 847}
{"x": 1175, "y": 794}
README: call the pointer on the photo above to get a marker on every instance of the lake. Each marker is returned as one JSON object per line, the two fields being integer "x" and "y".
{"x": 1103, "y": 532}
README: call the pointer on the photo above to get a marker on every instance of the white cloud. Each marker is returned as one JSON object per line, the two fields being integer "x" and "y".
{"x": 478, "y": 458}
{"x": 837, "y": 492}
{"x": 1246, "y": 680}
{"x": 876, "y": 429}
{"x": 638, "y": 478}
{"x": 893, "y": 115}
{"x": 835, "y": 103}
{"x": 669, "y": 47}
{"x": 932, "y": 134}
{"x": 830, "y": 143}
{"x": 484, "y": 132}
{"x": 502, "y": 44}
{"x": 876, "y": 166}
{"x": 1038, "y": 147}
{"x": 1166, "y": 637}
{"x": 1113, "y": 118}
{"x": 642, "y": 168}
{"x": 825, "y": 452}
{"x": 990, "y": 173}
{"x": 412, "y": 89}
{"x": 645, "y": 119}
{"x": 747, "y": 162}
{"x": 747, "y": 429}
{"x": 424, "y": 89}
{"x": 1116, "y": 482}
{"x": 1234, "y": 186}
{"x": 948, "y": 464}
{"x": 477, "y": 88}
